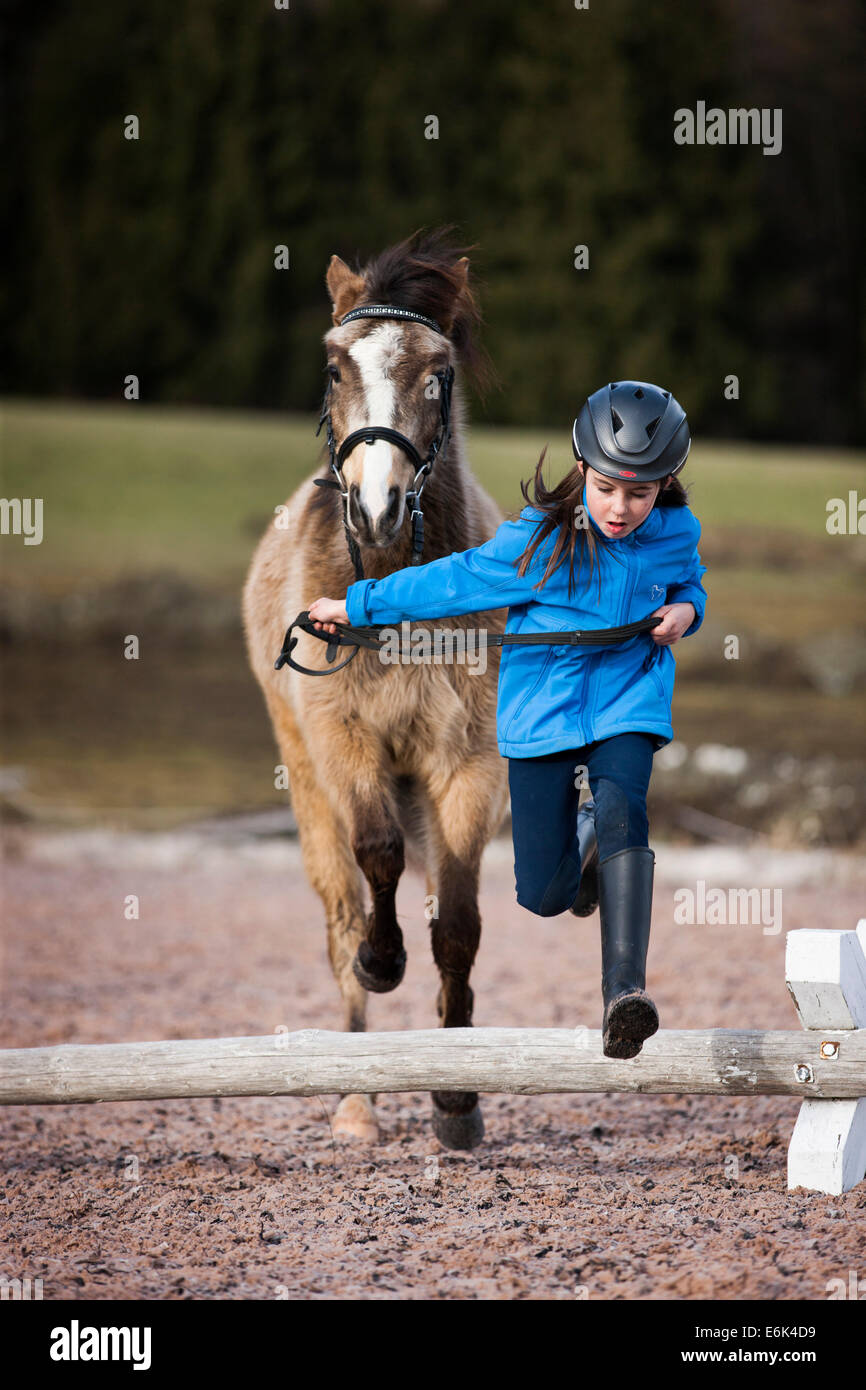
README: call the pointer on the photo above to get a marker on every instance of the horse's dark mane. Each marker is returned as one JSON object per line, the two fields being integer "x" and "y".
{"x": 421, "y": 273}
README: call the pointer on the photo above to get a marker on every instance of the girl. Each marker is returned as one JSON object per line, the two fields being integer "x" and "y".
{"x": 568, "y": 714}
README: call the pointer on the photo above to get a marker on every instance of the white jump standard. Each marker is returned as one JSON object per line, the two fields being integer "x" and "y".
{"x": 826, "y": 976}
{"x": 825, "y": 1064}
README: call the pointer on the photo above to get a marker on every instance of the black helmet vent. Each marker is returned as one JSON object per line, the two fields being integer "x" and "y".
{"x": 617, "y": 421}
{"x": 652, "y": 427}
{"x": 639, "y": 394}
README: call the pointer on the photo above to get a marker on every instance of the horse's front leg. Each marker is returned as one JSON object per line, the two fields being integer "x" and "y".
{"x": 456, "y": 933}
{"x": 353, "y": 764}
{"x": 377, "y": 843}
{"x": 333, "y": 873}
{"x": 468, "y": 809}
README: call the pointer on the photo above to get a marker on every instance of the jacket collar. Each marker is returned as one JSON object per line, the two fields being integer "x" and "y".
{"x": 649, "y": 527}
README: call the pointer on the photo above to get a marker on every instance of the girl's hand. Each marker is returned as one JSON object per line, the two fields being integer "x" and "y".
{"x": 326, "y": 612}
{"x": 678, "y": 618}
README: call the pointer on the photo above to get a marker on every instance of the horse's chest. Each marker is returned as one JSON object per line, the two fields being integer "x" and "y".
{"x": 411, "y": 714}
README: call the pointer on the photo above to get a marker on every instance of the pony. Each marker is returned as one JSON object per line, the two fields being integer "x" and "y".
{"x": 388, "y": 763}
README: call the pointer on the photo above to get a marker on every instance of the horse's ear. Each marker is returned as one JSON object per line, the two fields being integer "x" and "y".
{"x": 344, "y": 287}
{"x": 459, "y": 276}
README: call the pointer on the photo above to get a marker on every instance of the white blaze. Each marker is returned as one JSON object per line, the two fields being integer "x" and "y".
{"x": 375, "y": 356}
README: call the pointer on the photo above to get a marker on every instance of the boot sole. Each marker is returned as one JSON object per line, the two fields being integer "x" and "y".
{"x": 629, "y": 1021}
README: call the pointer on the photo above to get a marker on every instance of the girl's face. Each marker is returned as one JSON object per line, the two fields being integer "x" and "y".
{"x": 618, "y": 508}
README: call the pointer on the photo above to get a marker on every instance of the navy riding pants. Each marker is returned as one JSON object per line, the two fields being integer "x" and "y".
{"x": 545, "y": 793}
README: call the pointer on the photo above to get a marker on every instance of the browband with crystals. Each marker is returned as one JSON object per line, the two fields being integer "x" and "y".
{"x": 388, "y": 311}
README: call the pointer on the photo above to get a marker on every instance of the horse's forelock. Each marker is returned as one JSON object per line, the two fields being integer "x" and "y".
{"x": 423, "y": 273}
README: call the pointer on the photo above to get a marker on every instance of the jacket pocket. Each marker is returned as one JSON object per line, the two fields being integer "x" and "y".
{"x": 651, "y": 665}
{"x": 554, "y": 625}
{"x": 652, "y": 657}
{"x": 530, "y": 691}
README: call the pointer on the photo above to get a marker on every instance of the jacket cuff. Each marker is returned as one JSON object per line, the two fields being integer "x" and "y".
{"x": 356, "y": 603}
{"x": 689, "y": 593}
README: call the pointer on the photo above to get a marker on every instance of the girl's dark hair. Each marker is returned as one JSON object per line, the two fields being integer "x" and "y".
{"x": 560, "y": 507}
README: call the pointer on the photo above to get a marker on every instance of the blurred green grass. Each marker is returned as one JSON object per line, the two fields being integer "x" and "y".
{"x": 132, "y": 490}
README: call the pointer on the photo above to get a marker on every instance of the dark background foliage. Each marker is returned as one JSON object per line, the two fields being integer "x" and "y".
{"x": 306, "y": 127}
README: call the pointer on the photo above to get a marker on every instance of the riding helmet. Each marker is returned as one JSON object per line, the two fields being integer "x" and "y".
{"x": 632, "y": 430}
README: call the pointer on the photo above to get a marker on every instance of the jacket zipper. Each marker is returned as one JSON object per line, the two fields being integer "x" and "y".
{"x": 595, "y": 669}
{"x": 629, "y": 591}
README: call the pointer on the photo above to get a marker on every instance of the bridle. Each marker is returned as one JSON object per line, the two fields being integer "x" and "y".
{"x": 370, "y": 433}
{"x": 369, "y": 637}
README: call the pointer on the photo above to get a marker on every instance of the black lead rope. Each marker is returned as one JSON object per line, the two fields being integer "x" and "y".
{"x": 359, "y": 637}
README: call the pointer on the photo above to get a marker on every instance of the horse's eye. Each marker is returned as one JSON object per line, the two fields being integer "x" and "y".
{"x": 333, "y": 371}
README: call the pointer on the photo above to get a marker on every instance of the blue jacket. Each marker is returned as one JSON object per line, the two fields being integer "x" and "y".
{"x": 552, "y": 698}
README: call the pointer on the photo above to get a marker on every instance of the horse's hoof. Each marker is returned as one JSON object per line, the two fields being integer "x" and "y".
{"x": 456, "y": 1131}
{"x": 376, "y": 975}
{"x": 355, "y": 1119}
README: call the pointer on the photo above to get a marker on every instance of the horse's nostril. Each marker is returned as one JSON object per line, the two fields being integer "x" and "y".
{"x": 357, "y": 512}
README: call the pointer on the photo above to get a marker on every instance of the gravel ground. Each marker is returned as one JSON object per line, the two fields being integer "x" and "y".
{"x": 599, "y": 1197}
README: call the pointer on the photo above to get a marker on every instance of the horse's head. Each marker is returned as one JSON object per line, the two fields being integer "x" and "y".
{"x": 391, "y": 373}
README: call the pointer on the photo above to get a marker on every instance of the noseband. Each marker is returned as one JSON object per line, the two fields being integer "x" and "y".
{"x": 370, "y": 433}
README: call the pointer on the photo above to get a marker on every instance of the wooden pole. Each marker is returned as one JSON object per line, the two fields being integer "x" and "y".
{"x": 522, "y": 1061}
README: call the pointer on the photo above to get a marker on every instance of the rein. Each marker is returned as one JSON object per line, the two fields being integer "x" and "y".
{"x": 370, "y": 433}
{"x": 358, "y": 637}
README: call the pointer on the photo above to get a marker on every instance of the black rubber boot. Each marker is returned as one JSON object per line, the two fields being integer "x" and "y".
{"x": 625, "y": 892}
{"x": 587, "y": 894}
